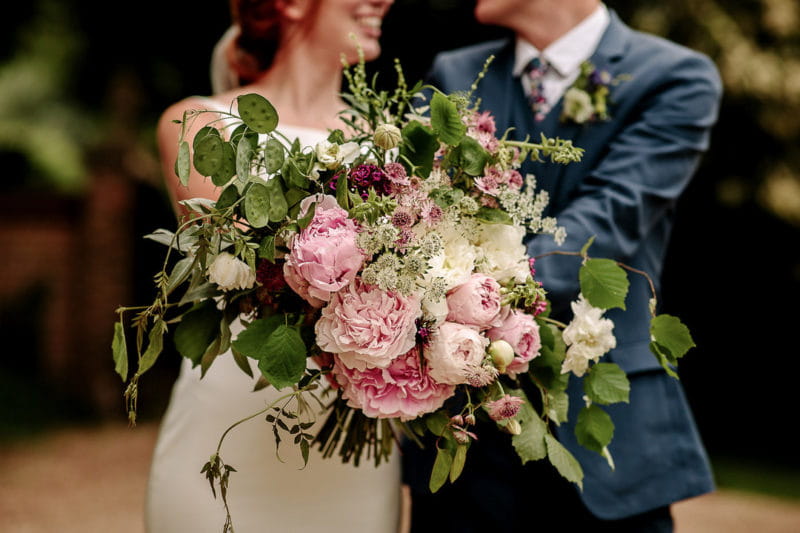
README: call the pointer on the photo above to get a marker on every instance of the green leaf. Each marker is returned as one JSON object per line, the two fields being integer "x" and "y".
{"x": 419, "y": 147}
{"x": 604, "y": 284}
{"x": 441, "y": 469}
{"x": 227, "y": 167}
{"x": 558, "y": 407}
{"x": 277, "y": 208}
{"x": 209, "y": 356}
{"x": 242, "y": 362}
{"x": 120, "y": 350}
{"x": 180, "y": 273}
{"x": 663, "y": 358}
{"x": 183, "y": 163}
{"x": 529, "y": 444}
{"x": 492, "y": 215}
{"x": 257, "y": 113}
{"x": 208, "y": 154}
{"x": 197, "y": 330}
{"x": 252, "y": 340}
{"x": 228, "y": 197}
{"x": 459, "y": 460}
{"x": 154, "y": 346}
{"x": 437, "y": 422}
{"x": 672, "y": 336}
{"x": 202, "y": 133}
{"x": 594, "y": 428}
{"x": 273, "y": 155}
{"x": 446, "y": 121}
{"x": 244, "y": 158}
{"x": 585, "y": 248}
{"x": 564, "y": 461}
{"x": 266, "y": 250}
{"x": 607, "y": 383}
{"x": 257, "y": 205}
{"x": 286, "y": 362}
{"x": 470, "y": 156}
{"x": 308, "y": 217}
{"x": 304, "y": 451}
{"x": 547, "y": 367}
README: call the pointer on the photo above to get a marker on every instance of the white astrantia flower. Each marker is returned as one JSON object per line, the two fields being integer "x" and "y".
{"x": 578, "y": 105}
{"x": 230, "y": 273}
{"x": 503, "y": 255}
{"x": 331, "y": 155}
{"x": 588, "y": 337}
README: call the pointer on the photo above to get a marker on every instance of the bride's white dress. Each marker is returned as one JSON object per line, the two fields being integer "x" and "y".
{"x": 265, "y": 494}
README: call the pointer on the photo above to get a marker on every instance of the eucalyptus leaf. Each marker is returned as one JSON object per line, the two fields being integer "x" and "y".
{"x": 227, "y": 198}
{"x": 119, "y": 349}
{"x": 256, "y": 205}
{"x": 441, "y": 469}
{"x": 286, "y": 360}
{"x": 227, "y": 167}
{"x": 277, "y": 208}
{"x": 183, "y": 165}
{"x": 257, "y": 112}
{"x": 446, "y": 121}
{"x": 604, "y": 284}
{"x": 607, "y": 383}
{"x": 564, "y": 461}
{"x": 594, "y": 428}
{"x": 208, "y": 155}
{"x": 273, "y": 155}
{"x": 202, "y": 133}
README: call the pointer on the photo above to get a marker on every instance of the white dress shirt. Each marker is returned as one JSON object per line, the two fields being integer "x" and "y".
{"x": 564, "y": 55}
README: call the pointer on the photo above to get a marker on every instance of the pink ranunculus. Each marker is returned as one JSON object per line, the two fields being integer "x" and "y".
{"x": 402, "y": 390}
{"x": 453, "y": 350}
{"x": 324, "y": 257}
{"x": 476, "y": 302}
{"x": 367, "y": 326}
{"x": 521, "y": 331}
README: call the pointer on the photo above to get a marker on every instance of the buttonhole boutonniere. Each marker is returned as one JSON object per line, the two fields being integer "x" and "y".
{"x": 588, "y": 98}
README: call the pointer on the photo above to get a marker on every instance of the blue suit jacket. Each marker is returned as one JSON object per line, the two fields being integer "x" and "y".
{"x": 624, "y": 193}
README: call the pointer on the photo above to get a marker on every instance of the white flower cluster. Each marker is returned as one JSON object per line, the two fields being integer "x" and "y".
{"x": 527, "y": 209}
{"x": 588, "y": 337}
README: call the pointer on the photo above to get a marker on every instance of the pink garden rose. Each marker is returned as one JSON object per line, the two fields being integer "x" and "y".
{"x": 367, "y": 326}
{"x": 475, "y": 303}
{"x": 324, "y": 257}
{"x": 402, "y": 390}
{"x": 453, "y": 350}
{"x": 521, "y": 331}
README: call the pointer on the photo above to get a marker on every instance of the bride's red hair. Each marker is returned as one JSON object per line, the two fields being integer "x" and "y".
{"x": 252, "y": 52}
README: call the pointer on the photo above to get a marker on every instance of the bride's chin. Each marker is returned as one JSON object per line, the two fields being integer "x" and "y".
{"x": 372, "y": 50}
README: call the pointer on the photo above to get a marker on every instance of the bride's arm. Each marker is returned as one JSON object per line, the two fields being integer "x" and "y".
{"x": 168, "y": 134}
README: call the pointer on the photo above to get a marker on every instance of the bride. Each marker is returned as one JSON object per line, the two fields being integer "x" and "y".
{"x": 289, "y": 52}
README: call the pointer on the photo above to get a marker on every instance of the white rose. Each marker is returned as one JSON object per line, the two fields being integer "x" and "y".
{"x": 453, "y": 349}
{"x": 578, "y": 105}
{"x": 588, "y": 337}
{"x": 331, "y": 155}
{"x": 503, "y": 255}
{"x": 230, "y": 273}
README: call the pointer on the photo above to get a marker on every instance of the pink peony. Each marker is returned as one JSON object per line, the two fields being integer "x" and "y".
{"x": 521, "y": 331}
{"x": 453, "y": 351}
{"x": 475, "y": 303}
{"x": 324, "y": 257}
{"x": 367, "y": 326}
{"x": 402, "y": 390}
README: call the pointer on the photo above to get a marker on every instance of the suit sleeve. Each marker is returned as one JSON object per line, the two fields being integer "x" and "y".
{"x": 645, "y": 168}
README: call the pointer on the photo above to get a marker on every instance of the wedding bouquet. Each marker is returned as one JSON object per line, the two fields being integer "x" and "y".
{"x": 381, "y": 279}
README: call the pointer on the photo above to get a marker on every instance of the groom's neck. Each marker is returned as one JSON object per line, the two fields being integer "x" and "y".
{"x": 542, "y": 22}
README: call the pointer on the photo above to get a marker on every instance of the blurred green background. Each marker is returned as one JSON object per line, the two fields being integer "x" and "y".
{"x": 81, "y": 88}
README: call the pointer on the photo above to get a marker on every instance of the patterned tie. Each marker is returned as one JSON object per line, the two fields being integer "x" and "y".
{"x": 535, "y": 71}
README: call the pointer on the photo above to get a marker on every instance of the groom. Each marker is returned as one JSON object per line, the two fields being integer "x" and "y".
{"x": 638, "y": 160}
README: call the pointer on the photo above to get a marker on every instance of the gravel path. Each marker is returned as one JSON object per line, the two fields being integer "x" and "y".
{"x": 92, "y": 480}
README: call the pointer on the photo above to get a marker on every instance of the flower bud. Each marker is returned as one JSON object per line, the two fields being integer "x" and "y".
{"x": 387, "y": 136}
{"x": 513, "y": 427}
{"x": 502, "y": 354}
{"x": 470, "y": 419}
{"x": 457, "y": 420}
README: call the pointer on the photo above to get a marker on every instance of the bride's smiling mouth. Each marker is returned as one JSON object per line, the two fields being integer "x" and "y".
{"x": 371, "y": 25}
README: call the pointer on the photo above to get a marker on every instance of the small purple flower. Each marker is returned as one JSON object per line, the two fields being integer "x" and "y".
{"x": 366, "y": 176}
{"x": 424, "y": 332}
{"x": 506, "y": 407}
